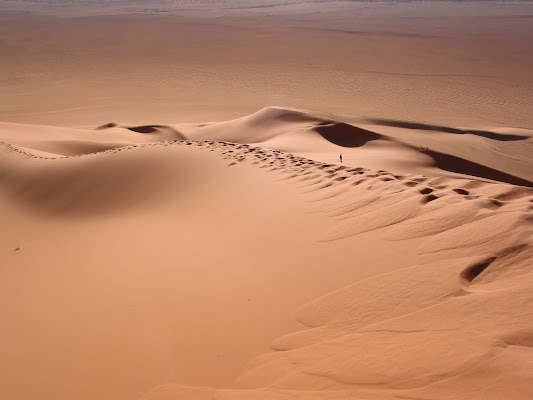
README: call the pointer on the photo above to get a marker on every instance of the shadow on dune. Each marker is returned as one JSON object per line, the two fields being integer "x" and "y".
{"x": 146, "y": 129}
{"x": 459, "y": 165}
{"x": 424, "y": 127}
{"x": 157, "y": 129}
{"x": 106, "y": 126}
{"x": 346, "y": 135}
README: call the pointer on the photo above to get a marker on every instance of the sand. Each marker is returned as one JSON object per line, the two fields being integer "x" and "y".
{"x": 450, "y": 64}
{"x": 169, "y": 232}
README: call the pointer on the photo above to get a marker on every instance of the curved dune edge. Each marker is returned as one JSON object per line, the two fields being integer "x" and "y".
{"x": 456, "y": 326}
{"x": 502, "y": 155}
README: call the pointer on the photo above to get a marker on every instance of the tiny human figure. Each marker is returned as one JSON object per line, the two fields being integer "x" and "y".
{"x": 340, "y": 157}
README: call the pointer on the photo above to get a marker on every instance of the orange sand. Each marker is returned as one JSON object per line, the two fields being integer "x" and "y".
{"x": 163, "y": 259}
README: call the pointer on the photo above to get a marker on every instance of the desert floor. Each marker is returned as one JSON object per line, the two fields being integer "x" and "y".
{"x": 263, "y": 200}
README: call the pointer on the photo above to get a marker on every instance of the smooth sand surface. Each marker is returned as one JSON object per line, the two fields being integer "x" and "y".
{"x": 147, "y": 255}
{"x": 459, "y": 64}
{"x": 132, "y": 259}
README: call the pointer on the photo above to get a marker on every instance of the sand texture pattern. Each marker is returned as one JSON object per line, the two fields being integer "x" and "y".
{"x": 142, "y": 255}
{"x": 266, "y": 200}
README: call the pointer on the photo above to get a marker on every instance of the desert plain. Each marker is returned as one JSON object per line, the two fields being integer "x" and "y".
{"x": 266, "y": 200}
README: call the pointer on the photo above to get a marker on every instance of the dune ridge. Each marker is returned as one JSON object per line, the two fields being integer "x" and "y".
{"x": 168, "y": 234}
{"x": 431, "y": 273}
{"x": 278, "y": 128}
{"x": 364, "y": 337}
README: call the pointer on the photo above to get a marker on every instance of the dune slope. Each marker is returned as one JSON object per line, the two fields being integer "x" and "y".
{"x": 243, "y": 260}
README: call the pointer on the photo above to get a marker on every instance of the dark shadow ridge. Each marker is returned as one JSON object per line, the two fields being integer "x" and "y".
{"x": 424, "y": 127}
{"x": 146, "y": 128}
{"x": 500, "y": 264}
{"x": 346, "y": 135}
{"x": 472, "y": 272}
{"x": 107, "y": 126}
{"x": 459, "y": 165}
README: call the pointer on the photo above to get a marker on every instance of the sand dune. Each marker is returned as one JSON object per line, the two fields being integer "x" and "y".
{"x": 427, "y": 146}
{"x": 211, "y": 235}
{"x": 167, "y": 233}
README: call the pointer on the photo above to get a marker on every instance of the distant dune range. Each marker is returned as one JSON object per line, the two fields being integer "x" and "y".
{"x": 154, "y": 262}
{"x": 458, "y": 64}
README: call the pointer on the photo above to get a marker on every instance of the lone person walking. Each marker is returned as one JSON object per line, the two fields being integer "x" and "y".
{"x": 340, "y": 157}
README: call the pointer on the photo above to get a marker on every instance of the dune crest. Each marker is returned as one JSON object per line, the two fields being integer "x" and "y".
{"x": 410, "y": 285}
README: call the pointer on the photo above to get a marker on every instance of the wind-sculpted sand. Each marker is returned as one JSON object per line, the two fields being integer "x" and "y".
{"x": 168, "y": 234}
{"x": 244, "y": 260}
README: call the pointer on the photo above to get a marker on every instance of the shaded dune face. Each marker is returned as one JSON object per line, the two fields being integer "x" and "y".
{"x": 446, "y": 129}
{"x": 156, "y": 129}
{"x": 160, "y": 131}
{"x": 346, "y": 135}
{"x": 349, "y": 136}
{"x": 271, "y": 124}
{"x": 145, "y": 128}
{"x": 448, "y": 162}
{"x": 111, "y": 181}
{"x": 159, "y": 259}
